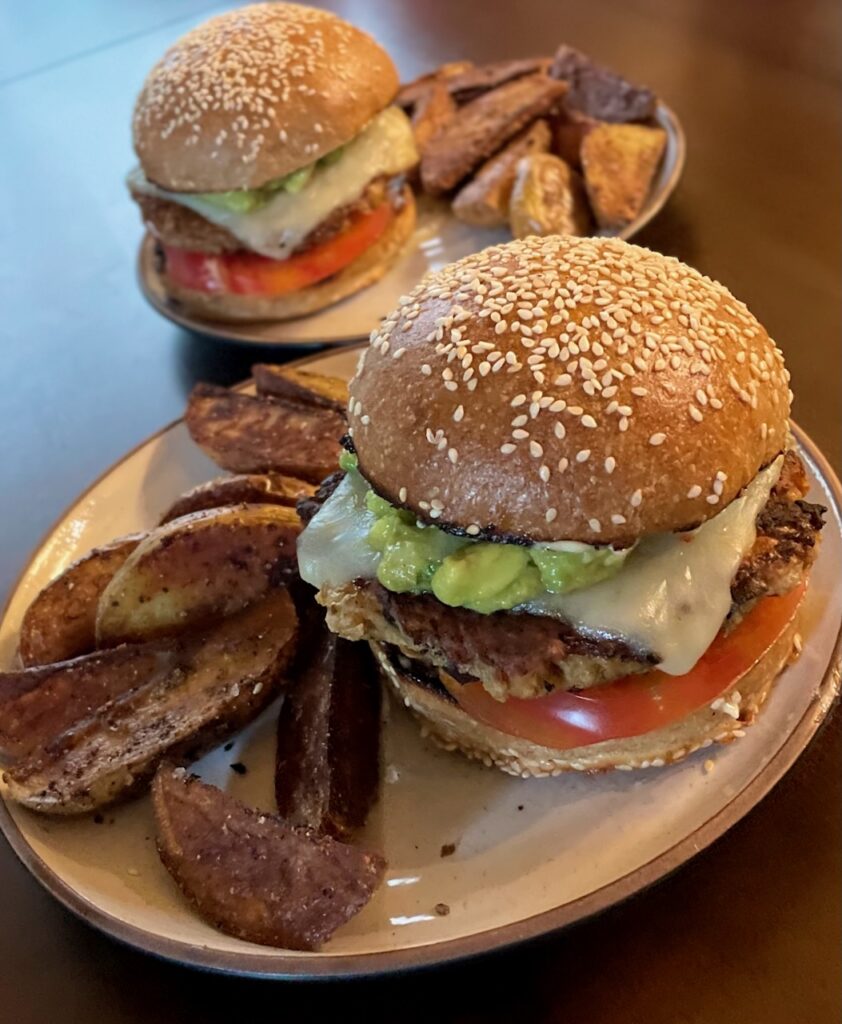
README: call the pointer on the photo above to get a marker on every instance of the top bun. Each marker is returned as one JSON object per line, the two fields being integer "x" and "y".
{"x": 256, "y": 93}
{"x": 568, "y": 388}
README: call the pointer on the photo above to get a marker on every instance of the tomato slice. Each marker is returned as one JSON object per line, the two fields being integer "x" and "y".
{"x": 248, "y": 273}
{"x": 635, "y": 704}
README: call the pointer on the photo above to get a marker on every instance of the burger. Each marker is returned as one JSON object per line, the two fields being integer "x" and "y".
{"x": 271, "y": 164}
{"x": 571, "y": 519}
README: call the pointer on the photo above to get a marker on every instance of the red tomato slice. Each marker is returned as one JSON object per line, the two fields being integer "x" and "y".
{"x": 635, "y": 704}
{"x": 249, "y": 273}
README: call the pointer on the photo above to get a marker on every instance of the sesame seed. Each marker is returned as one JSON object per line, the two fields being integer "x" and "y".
{"x": 459, "y": 412}
{"x": 550, "y": 514}
{"x": 563, "y": 463}
{"x": 544, "y": 473}
{"x": 636, "y": 498}
{"x": 507, "y": 448}
{"x": 657, "y": 439}
{"x": 402, "y": 494}
{"x": 535, "y": 450}
{"x": 595, "y": 525}
{"x": 712, "y": 499}
{"x": 518, "y": 400}
{"x": 426, "y": 369}
{"x": 695, "y": 413}
{"x": 610, "y": 464}
{"x": 583, "y": 455}
{"x": 588, "y": 421}
{"x": 453, "y": 455}
{"x": 520, "y": 435}
{"x": 694, "y": 491}
{"x": 617, "y": 519}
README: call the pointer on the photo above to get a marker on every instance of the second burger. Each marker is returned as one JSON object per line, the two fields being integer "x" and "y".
{"x": 271, "y": 163}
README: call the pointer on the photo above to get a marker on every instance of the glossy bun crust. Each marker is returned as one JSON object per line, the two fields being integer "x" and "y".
{"x": 364, "y": 271}
{"x": 450, "y": 727}
{"x": 256, "y": 93}
{"x": 568, "y": 388}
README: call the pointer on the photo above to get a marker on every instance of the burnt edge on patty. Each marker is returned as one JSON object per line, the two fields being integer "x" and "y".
{"x": 521, "y": 654}
{"x": 172, "y": 224}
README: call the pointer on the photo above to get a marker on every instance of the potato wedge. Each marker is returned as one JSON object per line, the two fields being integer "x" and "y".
{"x": 251, "y": 875}
{"x": 170, "y": 698}
{"x": 61, "y": 621}
{"x": 244, "y": 434}
{"x": 619, "y": 163}
{"x": 38, "y": 704}
{"x": 569, "y": 131}
{"x": 413, "y": 91}
{"x": 599, "y": 92}
{"x": 484, "y": 201}
{"x": 328, "y": 755}
{"x": 242, "y": 489}
{"x": 433, "y": 111}
{"x": 196, "y": 569}
{"x": 547, "y": 198}
{"x": 301, "y": 387}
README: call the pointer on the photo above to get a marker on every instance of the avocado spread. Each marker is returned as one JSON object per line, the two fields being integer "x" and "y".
{"x": 417, "y": 558}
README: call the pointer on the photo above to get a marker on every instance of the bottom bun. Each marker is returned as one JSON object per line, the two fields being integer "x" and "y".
{"x": 445, "y": 722}
{"x": 364, "y": 271}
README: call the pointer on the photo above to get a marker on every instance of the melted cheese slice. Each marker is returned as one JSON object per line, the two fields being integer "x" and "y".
{"x": 384, "y": 147}
{"x": 670, "y": 597}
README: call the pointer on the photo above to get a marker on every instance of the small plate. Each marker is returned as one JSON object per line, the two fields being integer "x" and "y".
{"x": 439, "y": 239}
{"x": 530, "y": 856}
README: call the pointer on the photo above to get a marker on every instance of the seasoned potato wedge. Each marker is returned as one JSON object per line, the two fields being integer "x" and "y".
{"x": 484, "y": 201}
{"x": 547, "y": 198}
{"x": 301, "y": 387}
{"x": 173, "y": 697}
{"x": 195, "y": 569}
{"x": 328, "y": 754}
{"x": 247, "y": 489}
{"x": 250, "y": 874}
{"x": 433, "y": 111}
{"x": 61, "y": 621}
{"x": 38, "y": 704}
{"x": 619, "y": 163}
{"x": 244, "y": 434}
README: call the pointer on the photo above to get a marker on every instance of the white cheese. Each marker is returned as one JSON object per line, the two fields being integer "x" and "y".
{"x": 670, "y": 597}
{"x": 384, "y": 147}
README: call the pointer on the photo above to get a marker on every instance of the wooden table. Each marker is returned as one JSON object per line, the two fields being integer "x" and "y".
{"x": 750, "y": 931}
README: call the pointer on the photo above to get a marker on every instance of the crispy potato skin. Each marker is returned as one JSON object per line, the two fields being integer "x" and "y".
{"x": 250, "y": 874}
{"x": 299, "y": 386}
{"x": 195, "y": 569}
{"x": 61, "y": 621}
{"x": 247, "y": 434}
{"x": 170, "y": 698}
{"x": 241, "y": 489}
{"x": 328, "y": 753}
{"x": 547, "y": 198}
{"x": 619, "y": 162}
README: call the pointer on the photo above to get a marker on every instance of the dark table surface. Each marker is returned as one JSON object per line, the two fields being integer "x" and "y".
{"x": 750, "y": 930}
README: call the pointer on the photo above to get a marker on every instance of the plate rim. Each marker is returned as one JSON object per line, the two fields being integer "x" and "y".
{"x": 281, "y": 965}
{"x": 149, "y": 279}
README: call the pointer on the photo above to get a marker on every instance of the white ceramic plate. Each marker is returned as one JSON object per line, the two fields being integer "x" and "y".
{"x": 530, "y": 856}
{"x": 439, "y": 239}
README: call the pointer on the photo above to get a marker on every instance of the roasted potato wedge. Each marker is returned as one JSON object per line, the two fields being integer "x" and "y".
{"x": 196, "y": 569}
{"x": 433, "y": 111}
{"x": 38, "y": 704}
{"x": 547, "y": 198}
{"x": 251, "y": 875}
{"x": 241, "y": 489}
{"x": 174, "y": 698}
{"x": 301, "y": 387}
{"x": 619, "y": 163}
{"x": 61, "y": 621}
{"x": 484, "y": 201}
{"x": 569, "y": 131}
{"x": 328, "y": 754}
{"x": 244, "y": 434}
{"x": 413, "y": 91}
{"x": 481, "y": 127}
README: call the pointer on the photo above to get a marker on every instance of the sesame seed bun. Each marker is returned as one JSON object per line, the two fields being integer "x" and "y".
{"x": 568, "y": 389}
{"x": 256, "y": 93}
{"x": 443, "y": 721}
{"x": 364, "y": 271}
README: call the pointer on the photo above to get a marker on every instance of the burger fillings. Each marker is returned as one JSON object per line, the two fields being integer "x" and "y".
{"x": 579, "y": 443}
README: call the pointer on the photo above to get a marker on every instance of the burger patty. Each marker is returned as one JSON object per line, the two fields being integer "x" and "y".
{"x": 524, "y": 655}
{"x": 176, "y": 225}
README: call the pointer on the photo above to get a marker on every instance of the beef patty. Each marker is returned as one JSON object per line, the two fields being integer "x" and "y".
{"x": 175, "y": 225}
